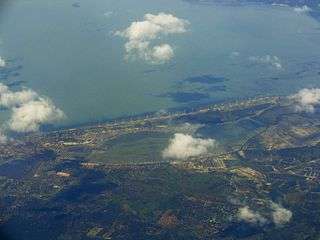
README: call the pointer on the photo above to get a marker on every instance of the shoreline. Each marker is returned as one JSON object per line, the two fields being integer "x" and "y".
{"x": 168, "y": 112}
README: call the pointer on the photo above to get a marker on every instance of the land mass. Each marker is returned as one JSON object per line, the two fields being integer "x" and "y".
{"x": 111, "y": 181}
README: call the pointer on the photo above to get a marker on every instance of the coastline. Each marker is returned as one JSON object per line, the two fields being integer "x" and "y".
{"x": 168, "y": 112}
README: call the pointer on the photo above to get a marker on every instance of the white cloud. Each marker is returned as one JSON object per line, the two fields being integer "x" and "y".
{"x": 303, "y": 9}
{"x": 10, "y": 99}
{"x": 29, "y": 110}
{"x": 29, "y": 116}
{"x": 153, "y": 26}
{"x": 306, "y": 99}
{"x": 273, "y": 61}
{"x": 248, "y": 215}
{"x": 280, "y": 215}
{"x": 161, "y": 53}
{"x": 140, "y": 34}
{"x": 2, "y": 62}
{"x": 182, "y": 146}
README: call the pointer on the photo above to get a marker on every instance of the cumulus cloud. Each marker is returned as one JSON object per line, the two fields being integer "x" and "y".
{"x": 141, "y": 33}
{"x": 303, "y": 9}
{"x": 247, "y": 215}
{"x": 306, "y": 99}
{"x": 29, "y": 116}
{"x": 10, "y": 99}
{"x": 280, "y": 215}
{"x": 2, "y": 62}
{"x": 273, "y": 61}
{"x": 28, "y": 110}
{"x": 182, "y": 146}
{"x": 161, "y": 53}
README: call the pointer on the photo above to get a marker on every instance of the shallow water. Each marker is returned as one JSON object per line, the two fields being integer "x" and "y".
{"x": 66, "y": 50}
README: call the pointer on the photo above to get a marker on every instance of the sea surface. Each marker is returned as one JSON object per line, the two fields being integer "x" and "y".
{"x": 67, "y": 50}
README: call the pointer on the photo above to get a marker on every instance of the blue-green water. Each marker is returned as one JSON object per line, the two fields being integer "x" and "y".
{"x": 68, "y": 52}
